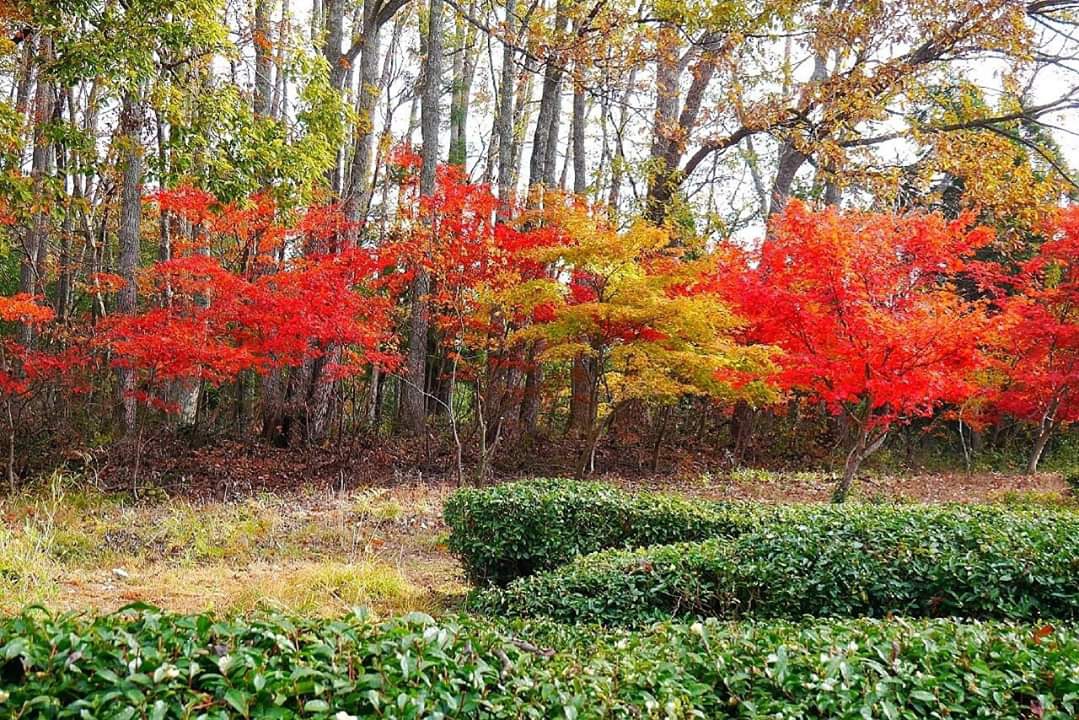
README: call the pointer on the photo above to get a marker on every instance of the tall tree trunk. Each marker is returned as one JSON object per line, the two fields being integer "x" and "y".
{"x": 263, "y": 96}
{"x": 790, "y": 161}
{"x": 541, "y": 170}
{"x": 791, "y": 158}
{"x": 464, "y": 66}
{"x": 130, "y": 219}
{"x": 541, "y": 174}
{"x": 66, "y": 170}
{"x": 672, "y": 126}
{"x": 280, "y": 93}
{"x": 35, "y": 244}
{"x": 581, "y": 412}
{"x": 618, "y": 161}
{"x": 505, "y": 116}
{"x": 333, "y": 14}
{"x": 414, "y": 403}
{"x": 359, "y": 189}
{"x": 580, "y": 172}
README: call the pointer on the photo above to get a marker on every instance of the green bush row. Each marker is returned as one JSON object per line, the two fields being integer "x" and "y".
{"x": 979, "y": 562}
{"x": 144, "y": 664}
{"x": 517, "y": 529}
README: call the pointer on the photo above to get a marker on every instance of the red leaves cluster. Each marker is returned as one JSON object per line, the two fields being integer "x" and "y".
{"x": 864, "y": 309}
{"x": 24, "y": 370}
{"x": 454, "y": 234}
{"x": 219, "y": 322}
{"x": 1037, "y": 351}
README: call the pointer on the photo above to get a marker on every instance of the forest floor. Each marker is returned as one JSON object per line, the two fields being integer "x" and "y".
{"x": 321, "y": 550}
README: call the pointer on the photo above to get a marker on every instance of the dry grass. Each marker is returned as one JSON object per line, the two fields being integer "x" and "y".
{"x": 309, "y": 553}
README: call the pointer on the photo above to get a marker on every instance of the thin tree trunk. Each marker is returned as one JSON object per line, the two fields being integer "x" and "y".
{"x": 414, "y": 405}
{"x": 581, "y": 411}
{"x": 263, "y": 99}
{"x": 541, "y": 169}
{"x": 863, "y": 448}
{"x": 1036, "y": 452}
{"x": 586, "y": 462}
{"x": 504, "y": 117}
{"x": 130, "y": 219}
{"x": 279, "y": 104}
{"x": 464, "y": 65}
{"x": 36, "y": 239}
{"x": 359, "y": 192}
{"x": 1045, "y": 431}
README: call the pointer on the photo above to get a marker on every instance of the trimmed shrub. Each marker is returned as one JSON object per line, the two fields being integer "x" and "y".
{"x": 144, "y": 664}
{"x": 517, "y": 529}
{"x": 979, "y": 562}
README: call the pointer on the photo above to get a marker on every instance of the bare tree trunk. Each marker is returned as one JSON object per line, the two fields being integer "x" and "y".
{"x": 541, "y": 170}
{"x": 333, "y": 16}
{"x": 279, "y": 104}
{"x": 671, "y": 125}
{"x": 790, "y": 161}
{"x": 64, "y": 163}
{"x": 130, "y": 219}
{"x": 618, "y": 161}
{"x": 586, "y": 462}
{"x": 581, "y": 412}
{"x": 319, "y": 394}
{"x": 580, "y": 172}
{"x": 1039, "y": 447}
{"x": 661, "y": 433}
{"x": 414, "y": 405}
{"x": 522, "y": 115}
{"x": 791, "y": 158}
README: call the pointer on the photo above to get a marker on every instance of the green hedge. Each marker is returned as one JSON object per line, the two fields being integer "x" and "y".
{"x": 980, "y": 562}
{"x": 144, "y": 664}
{"x": 517, "y": 529}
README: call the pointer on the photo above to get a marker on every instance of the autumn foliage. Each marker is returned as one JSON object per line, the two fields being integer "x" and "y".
{"x": 1035, "y": 351}
{"x": 880, "y": 319}
{"x": 865, "y": 312}
{"x": 264, "y": 313}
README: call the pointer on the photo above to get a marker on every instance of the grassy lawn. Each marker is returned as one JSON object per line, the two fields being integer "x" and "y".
{"x": 317, "y": 552}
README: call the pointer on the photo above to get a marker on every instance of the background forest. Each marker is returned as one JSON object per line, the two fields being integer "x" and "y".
{"x": 469, "y": 237}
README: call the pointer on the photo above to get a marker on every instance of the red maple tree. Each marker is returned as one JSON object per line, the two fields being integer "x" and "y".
{"x": 864, "y": 309}
{"x": 236, "y": 304}
{"x": 1036, "y": 356}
